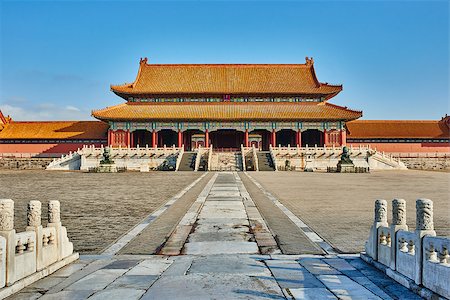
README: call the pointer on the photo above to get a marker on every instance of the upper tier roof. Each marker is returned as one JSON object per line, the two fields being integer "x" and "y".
{"x": 226, "y": 111}
{"x": 375, "y": 129}
{"x": 68, "y": 130}
{"x": 238, "y": 79}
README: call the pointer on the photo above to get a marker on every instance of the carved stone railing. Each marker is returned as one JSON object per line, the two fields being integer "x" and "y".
{"x": 272, "y": 152}
{"x": 244, "y": 151}
{"x": 210, "y": 152}
{"x": 124, "y": 157}
{"x": 322, "y": 158}
{"x": 25, "y": 253}
{"x": 179, "y": 157}
{"x": 255, "y": 158}
{"x": 419, "y": 260}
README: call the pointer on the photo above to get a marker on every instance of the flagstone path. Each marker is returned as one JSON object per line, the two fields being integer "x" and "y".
{"x": 226, "y": 246}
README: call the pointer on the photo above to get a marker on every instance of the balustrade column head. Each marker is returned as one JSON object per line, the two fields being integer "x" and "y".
{"x": 381, "y": 211}
{"x": 6, "y": 214}
{"x": 398, "y": 212}
{"x": 54, "y": 210}
{"x": 34, "y": 213}
{"x": 424, "y": 214}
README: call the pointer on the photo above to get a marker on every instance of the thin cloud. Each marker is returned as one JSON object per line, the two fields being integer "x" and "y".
{"x": 72, "y": 108}
{"x": 44, "y": 112}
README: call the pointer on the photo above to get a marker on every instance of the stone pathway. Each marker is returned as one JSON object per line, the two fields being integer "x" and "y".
{"x": 221, "y": 249}
{"x": 230, "y": 276}
{"x": 223, "y": 220}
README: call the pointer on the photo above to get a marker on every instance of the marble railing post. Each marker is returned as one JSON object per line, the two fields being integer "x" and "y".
{"x": 8, "y": 232}
{"x": 54, "y": 220}
{"x": 380, "y": 220}
{"x": 65, "y": 247}
{"x": 34, "y": 224}
{"x": 424, "y": 226}
{"x": 398, "y": 223}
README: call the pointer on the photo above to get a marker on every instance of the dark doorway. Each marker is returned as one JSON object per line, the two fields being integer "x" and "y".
{"x": 167, "y": 137}
{"x": 142, "y": 138}
{"x": 286, "y": 137}
{"x": 227, "y": 139}
{"x": 265, "y": 139}
{"x": 193, "y": 138}
{"x": 312, "y": 137}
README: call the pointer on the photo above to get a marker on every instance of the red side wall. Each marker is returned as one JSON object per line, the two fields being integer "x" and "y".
{"x": 43, "y": 150}
{"x": 407, "y": 147}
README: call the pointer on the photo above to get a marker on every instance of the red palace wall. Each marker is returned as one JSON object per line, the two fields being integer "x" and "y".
{"x": 41, "y": 150}
{"x": 407, "y": 147}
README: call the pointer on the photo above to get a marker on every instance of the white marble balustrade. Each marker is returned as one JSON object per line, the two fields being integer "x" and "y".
{"x": 418, "y": 259}
{"x": 25, "y": 253}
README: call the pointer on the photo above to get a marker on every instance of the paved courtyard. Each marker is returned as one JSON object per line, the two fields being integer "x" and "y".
{"x": 96, "y": 208}
{"x": 339, "y": 207}
{"x": 222, "y": 247}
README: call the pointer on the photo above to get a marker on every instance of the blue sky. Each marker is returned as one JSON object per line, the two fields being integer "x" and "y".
{"x": 59, "y": 58}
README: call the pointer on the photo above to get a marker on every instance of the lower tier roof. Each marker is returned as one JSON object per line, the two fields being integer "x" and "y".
{"x": 226, "y": 111}
{"x": 65, "y": 130}
{"x": 379, "y": 129}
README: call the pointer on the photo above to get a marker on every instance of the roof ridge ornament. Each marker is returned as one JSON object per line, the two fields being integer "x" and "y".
{"x": 143, "y": 61}
{"x": 309, "y": 61}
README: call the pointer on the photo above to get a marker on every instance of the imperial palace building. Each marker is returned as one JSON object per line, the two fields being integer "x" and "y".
{"x": 226, "y": 106}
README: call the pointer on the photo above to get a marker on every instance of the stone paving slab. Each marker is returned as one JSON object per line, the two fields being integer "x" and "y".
{"x": 68, "y": 295}
{"x": 220, "y": 247}
{"x": 318, "y": 267}
{"x": 118, "y": 294}
{"x": 311, "y": 294}
{"x": 214, "y": 286}
{"x": 138, "y": 282}
{"x": 289, "y": 274}
{"x": 345, "y": 288}
{"x": 96, "y": 281}
{"x": 220, "y": 227}
{"x": 220, "y": 236}
{"x": 224, "y": 221}
{"x": 150, "y": 267}
{"x": 229, "y": 264}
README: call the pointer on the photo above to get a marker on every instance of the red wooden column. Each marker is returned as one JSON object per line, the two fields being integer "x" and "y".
{"x": 128, "y": 138}
{"x": 298, "y": 138}
{"x": 112, "y": 134}
{"x": 325, "y": 137}
{"x": 132, "y": 145}
{"x": 343, "y": 137}
{"x": 180, "y": 138}
{"x": 109, "y": 137}
{"x": 274, "y": 138}
{"x": 206, "y": 138}
{"x": 154, "y": 142}
{"x": 246, "y": 138}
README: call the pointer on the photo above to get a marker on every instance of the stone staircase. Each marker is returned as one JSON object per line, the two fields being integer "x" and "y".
{"x": 187, "y": 162}
{"x": 226, "y": 161}
{"x": 378, "y": 160}
{"x": 265, "y": 162}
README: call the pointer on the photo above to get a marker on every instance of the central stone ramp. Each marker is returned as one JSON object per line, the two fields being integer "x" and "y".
{"x": 222, "y": 226}
{"x": 223, "y": 220}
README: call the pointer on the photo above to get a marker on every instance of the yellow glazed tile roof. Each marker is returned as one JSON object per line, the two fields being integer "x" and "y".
{"x": 397, "y": 129}
{"x": 226, "y": 111}
{"x": 55, "y": 130}
{"x": 239, "y": 79}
